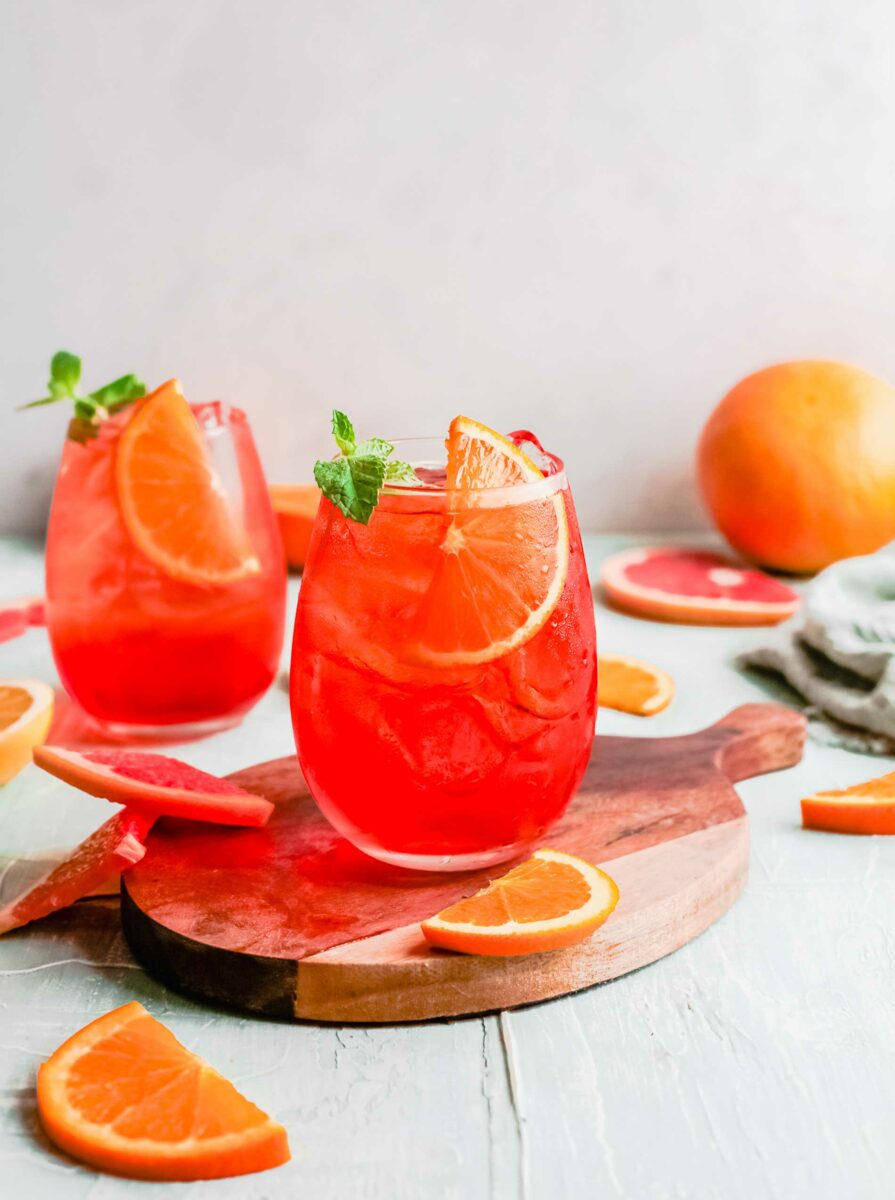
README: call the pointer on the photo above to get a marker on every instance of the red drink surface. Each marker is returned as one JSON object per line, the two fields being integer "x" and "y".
{"x": 412, "y": 760}
{"x": 135, "y": 646}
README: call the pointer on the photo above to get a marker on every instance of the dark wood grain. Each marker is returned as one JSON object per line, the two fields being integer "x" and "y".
{"x": 203, "y": 898}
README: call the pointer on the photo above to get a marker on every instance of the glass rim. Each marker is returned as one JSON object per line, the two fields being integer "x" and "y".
{"x": 515, "y": 493}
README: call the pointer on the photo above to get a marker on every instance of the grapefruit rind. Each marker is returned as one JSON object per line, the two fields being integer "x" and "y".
{"x": 471, "y": 501}
{"x": 16, "y": 616}
{"x": 243, "y": 1151}
{"x": 230, "y": 807}
{"x": 115, "y": 846}
{"x": 676, "y": 607}
{"x": 529, "y": 937}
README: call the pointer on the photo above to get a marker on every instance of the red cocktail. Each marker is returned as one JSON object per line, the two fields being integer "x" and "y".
{"x": 165, "y": 572}
{"x": 444, "y": 664}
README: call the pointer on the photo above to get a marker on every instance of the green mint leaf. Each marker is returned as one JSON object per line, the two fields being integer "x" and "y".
{"x": 343, "y": 432}
{"x": 65, "y": 373}
{"x": 85, "y": 410}
{"x": 401, "y": 472}
{"x": 38, "y": 403}
{"x": 352, "y": 484}
{"x": 353, "y": 481}
{"x": 119, "y": 393}
{"x": 378, "y": 447}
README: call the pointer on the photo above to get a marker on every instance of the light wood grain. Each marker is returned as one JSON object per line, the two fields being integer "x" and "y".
{"x": 668, "y": 894}
{"x": 757, "y": 1061}
{"x": 291, "y": 920}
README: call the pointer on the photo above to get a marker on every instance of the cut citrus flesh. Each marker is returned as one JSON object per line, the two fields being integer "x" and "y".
{"x": 695, "y": 587}
{"x": 124, "y": 1095}
{"x": 154, "y": 782}
{"x": 296, "y": 507}
{"x": 172, "y": 501}
{"x": 632, "y": 686}
{"x": 550, "y": 901}
{"x": 504, "y": 558}
{"x": 865, "y": 808}
{"x": 112, "y": 848}
{"x": 26, "y": 710}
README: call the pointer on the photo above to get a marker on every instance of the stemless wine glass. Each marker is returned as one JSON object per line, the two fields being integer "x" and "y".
{"x": 423, "y": 757}
{"x": 166, "y": 579}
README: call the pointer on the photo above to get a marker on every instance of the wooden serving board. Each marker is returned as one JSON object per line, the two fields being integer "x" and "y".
{"x": 292, "y": 921}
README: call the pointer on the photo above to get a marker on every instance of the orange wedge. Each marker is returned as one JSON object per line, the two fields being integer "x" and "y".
{"x": 505, "y": 556}
{"x": 173, "y": 502}
{"x": 632, "y": 686}
{"x": 865, "y": 808}
{"x": 296, "y": 507}
{"x": 26, "y": 710}
{"x": 550, "y": 901}
{"x": 123, "y": 1095}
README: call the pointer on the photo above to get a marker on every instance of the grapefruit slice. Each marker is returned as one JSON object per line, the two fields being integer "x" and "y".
{"x": 865, "y": 808}
{"x": 632, "y": 686}
{"x": 296, "y": 507}
{"x": 504, "y": 558}
{"x": 26, "y": 710}
{"x": 155, "y": 783}
{"x": 124, "y": 1095}
{"x": 173, "y": 503}
{"x": 17, "y": 615}
{"x": 695, "y": 587}
{"x": 550, "y": 901}
{"x": 112, "y": 848}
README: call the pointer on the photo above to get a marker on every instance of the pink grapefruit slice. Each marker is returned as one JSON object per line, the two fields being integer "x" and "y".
{"x": 695, "y": 587}
{"x": 17, "y": 615}
{"x": 112, "y": 848}
{"x": 154, "y": 783}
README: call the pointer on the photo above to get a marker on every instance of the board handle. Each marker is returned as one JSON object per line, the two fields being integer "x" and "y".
{"x": 758, "y": 738}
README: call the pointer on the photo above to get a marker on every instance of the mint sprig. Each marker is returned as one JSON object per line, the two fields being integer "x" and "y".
{"x": 94, "y": 408}
{"x": 354, "y": 481}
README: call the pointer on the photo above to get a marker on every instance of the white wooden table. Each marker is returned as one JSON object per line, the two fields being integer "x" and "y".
{"x": 757, "y": 1063}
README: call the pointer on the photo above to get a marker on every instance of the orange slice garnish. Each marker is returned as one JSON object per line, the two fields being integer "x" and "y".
{"x": 26, "y": 710}
{"x": 172, "y": 500}
{"x": 632, "y": 686}
{"x": 504, "y": 558}
{"x": 125, "y": 1096}
{"x": 550, "y": 901}
{"x": 865, "y": 808}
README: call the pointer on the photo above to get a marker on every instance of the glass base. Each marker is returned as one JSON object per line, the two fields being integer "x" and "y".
{"x": 445, "y": 862}
{"x": 120, "y": 731}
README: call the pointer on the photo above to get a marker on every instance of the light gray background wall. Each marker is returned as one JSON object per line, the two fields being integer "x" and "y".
{"x": 585, "y": 218}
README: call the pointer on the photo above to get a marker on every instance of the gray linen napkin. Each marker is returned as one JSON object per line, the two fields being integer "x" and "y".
{"x": 839, "y": 653}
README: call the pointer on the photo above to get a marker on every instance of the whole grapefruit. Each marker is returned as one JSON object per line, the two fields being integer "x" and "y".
{"x": 797, "y": 465}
